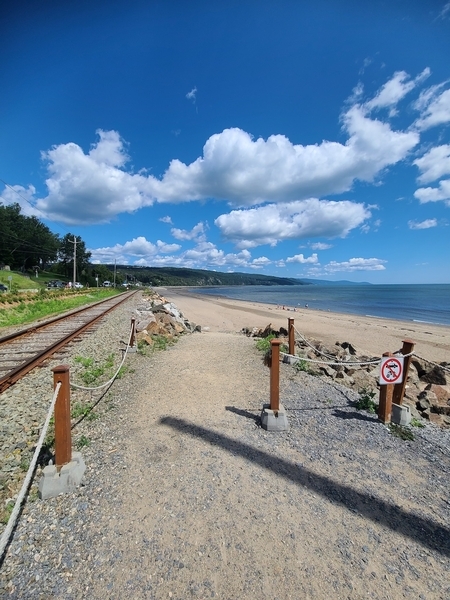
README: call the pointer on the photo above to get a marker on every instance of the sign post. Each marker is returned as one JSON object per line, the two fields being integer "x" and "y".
{"x": 391, "y": 372}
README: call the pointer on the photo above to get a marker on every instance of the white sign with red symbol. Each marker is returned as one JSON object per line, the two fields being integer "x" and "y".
{"x": 391, "y": 370}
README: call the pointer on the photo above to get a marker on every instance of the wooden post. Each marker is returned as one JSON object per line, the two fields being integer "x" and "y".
{"x": 385, "y": 402}
{"x": 133, "y": 332}
{"x": 291, "y": 336}
{"x": 399, "y": 388}
{"x": 63, "y": 432}
{"x": 275, "y": 376}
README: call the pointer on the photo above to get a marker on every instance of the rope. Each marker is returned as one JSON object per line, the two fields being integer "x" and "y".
{"x": 433, "y": 363}
{"x": 324, "y": 362}
{"x": 16, "y": 510}
{"x": 103, "y": 385}
{"x": 342, "y": 362}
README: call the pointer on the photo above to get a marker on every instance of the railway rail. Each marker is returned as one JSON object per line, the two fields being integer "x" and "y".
{"x": 22, "y": 351}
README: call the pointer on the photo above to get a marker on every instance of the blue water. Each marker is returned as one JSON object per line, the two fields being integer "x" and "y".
{"x": 421, "y": 303}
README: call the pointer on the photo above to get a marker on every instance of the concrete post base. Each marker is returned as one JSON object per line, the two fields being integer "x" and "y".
{"x": 132, "y": 349}
{"x": 274, "y": 421}
{"x": 69, "y": 477}
{"x": 400, "y": 415}
{"x": 290, "y": 360}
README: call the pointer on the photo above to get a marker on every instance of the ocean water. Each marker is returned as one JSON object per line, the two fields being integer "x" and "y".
{"x": 421, "y": 303}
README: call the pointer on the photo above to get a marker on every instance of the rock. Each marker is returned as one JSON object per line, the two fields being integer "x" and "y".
{"x": 347, "y": 346}
{"x": 436, "y": 375}
{"x": 143, "y": 336}
{"x": 143, "y": 323}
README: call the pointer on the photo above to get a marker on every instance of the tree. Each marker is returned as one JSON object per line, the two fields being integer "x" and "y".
{"x": 66, "y": 253}
{"x": 25, "y": 242}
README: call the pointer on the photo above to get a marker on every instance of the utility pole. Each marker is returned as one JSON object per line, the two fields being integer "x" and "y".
{"x": 74, "y": 260}
{"x": 115, "y": 272}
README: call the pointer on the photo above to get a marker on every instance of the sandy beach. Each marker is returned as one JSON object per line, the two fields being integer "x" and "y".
{"x": 370, "y": 335}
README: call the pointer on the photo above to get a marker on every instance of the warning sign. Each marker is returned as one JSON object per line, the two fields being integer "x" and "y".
{"x": 391, "y": 370}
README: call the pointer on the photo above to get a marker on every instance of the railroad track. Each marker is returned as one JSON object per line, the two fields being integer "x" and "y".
{"x": 22, "y": 351}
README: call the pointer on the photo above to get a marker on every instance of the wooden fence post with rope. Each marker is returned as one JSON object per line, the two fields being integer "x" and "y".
{"x": 399, "y": 388}
{"x": 291, "y": 336}
{"x": 63, "y": 432}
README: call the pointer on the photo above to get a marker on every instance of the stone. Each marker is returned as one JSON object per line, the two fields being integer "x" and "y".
{"x": 436, "y": 375}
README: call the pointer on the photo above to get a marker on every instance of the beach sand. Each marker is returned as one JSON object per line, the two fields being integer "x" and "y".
{"x": 369, "y": 335}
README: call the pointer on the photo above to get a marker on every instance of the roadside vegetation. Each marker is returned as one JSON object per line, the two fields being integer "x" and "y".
{"x": 20, "y": 308}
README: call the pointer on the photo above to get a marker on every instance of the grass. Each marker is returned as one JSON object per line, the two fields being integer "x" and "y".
{"x": 366, "y": 401}
{"x": 401, "y": 432}
{"x": 25, "y": 308}
{"x": 83, "y": 442}
{"x": 6, "y": 513}
{"x": 416, "y": 422}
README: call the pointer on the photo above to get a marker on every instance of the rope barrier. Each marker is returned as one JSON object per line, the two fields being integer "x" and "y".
{"x": 342, "y": 362}
{"x": 103, "y": 385}
{"x": 16, "y": 510}
{"x": 433, "y": 363}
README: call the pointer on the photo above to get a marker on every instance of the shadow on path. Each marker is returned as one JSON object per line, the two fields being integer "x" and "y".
{"x": 244, "y": 413}
{"x": 422, "y": 530}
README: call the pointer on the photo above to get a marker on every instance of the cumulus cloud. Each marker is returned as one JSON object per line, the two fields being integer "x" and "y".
{"x": 196, "y": 233}
{"x": 294, "y": 220}
{"x": 356, "y": 264}
{"x": 139, "y": 246}
{"x": 299, "y": 258}
{"x": 24, "y": 197}
{"x": 166, "y": 220}
{"x": 92, "y": 188}
{"x": 430, "y": 194}
{"x": 423, "y": 224}
{"x": 434, "y": 164}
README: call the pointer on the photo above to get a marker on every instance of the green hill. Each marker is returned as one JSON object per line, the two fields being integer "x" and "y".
{"x": 162, "y": 276}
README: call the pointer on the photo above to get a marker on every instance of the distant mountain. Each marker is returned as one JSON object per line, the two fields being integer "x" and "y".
{"x": 174, "y": 276}
{"x": 161, "y": 276}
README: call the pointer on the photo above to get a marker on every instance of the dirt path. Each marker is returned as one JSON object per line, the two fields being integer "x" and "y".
{"x": 185, "y": 496}
{"x": 206, "y": 510}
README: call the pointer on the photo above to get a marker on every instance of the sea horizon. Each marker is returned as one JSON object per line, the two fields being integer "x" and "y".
{"x": 421, "y": 303}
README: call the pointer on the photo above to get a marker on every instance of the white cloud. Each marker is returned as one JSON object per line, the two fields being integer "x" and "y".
{"x": 24, "y": 197}
{"x": 423, "y": 224}
{"x": 356, "y": 264}
{"x": 430, "y": 194}
{"x": 299, "y": 258}
{"x": 436, "y": 109}
{"x": 321, "y": 246}
{"x": 139, "y": 246}
{"x": 92, "y": 188}
{"x": 295, "y": 220}
{"x": 196, "y": 233}
{"x": 166, "y": 220}
{"x": 396, "y": 89}
{"x": 192, "y": 94}
{"x": 434, "y": 164}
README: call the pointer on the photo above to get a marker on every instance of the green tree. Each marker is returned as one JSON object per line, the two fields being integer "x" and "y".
{"x": 25, "y": 242}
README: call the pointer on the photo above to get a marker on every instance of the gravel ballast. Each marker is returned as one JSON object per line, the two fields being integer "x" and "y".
{"x": 185, "y": 496}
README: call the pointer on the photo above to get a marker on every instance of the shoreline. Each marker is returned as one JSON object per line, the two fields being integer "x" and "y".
{"x": 370, "y": 335}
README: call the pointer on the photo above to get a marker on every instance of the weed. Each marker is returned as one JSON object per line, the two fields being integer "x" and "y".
{"x": 366, "y": 402}
{"x": 85, "y": 362}
{"x": 160, "y": 342}
{"x": 4, "y": 518}
{"x": 263, "y": 344}
{"x": 80, "y": 410}
{"x": 83, "y": 442}
{"x": 24, "y": 464}
{"x": 416, "y": 422}
{"x": 401, "y": 432}
{"x": 301, "y": 365}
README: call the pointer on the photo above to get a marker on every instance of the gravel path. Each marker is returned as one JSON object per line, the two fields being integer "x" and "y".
{"x": 185, "y": 496}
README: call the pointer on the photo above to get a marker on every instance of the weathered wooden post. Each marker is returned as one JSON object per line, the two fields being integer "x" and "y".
{"x": 385, "y": 401}
{"x": 399, "y": 388}
{"x": 275, "y": 376}
{"x": 133, "y": 332}
{"x": 273, "y": 415}
{"x": 63, "y": 432}
{"x": 291, "y": 336}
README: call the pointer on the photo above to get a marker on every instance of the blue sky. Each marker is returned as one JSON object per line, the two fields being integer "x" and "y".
{"x": 297, "y": 139}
